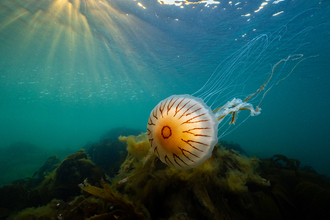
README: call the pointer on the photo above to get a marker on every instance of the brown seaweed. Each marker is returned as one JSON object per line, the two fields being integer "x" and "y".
{"x": 126, "y": 210}
{"x": 226, "y": 186}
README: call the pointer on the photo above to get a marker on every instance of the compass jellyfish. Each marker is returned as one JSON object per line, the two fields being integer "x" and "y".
{"x": 183, "y": 129}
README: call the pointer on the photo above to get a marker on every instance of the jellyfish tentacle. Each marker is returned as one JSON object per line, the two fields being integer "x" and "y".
{"x": 294, "y": 57}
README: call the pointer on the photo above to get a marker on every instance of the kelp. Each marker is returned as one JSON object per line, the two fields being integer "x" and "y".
{"x": 226, "y": 186}
{"x": 314, "y": 200}
{"x": 291, "y": 164}
{"x": 166, "y": 192}
{"x": 125, "y": 209}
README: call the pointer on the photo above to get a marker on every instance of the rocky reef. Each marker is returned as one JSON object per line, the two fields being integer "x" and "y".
{"x": 135, "y": 185}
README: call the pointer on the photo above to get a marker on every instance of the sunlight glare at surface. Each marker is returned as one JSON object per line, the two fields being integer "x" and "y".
{"x": 84, "y": 45}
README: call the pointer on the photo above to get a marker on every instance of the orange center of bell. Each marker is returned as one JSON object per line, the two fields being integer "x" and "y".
{"x": 166, "y": 132}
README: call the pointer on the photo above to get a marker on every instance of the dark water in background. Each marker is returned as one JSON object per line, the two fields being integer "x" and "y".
{"x": 72, "y": 70}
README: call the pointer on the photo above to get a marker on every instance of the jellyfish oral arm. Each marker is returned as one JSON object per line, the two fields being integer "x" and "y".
{"x": 233, "y": 107}
{"x": 236, "y": 105}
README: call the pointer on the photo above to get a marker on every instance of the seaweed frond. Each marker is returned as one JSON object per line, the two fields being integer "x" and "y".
{"x": 126, "y": 209}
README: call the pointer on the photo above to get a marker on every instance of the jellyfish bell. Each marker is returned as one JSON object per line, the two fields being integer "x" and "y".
{"x": 182, "y": 131}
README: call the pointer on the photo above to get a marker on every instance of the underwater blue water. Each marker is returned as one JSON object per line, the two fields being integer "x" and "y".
{"x": 72, "y": 70}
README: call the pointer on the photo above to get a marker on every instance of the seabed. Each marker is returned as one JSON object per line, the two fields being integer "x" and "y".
{"x": 135, "y": 185}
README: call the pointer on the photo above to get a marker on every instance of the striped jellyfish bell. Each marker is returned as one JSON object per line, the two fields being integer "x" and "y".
{"x": 182, "y": 131}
